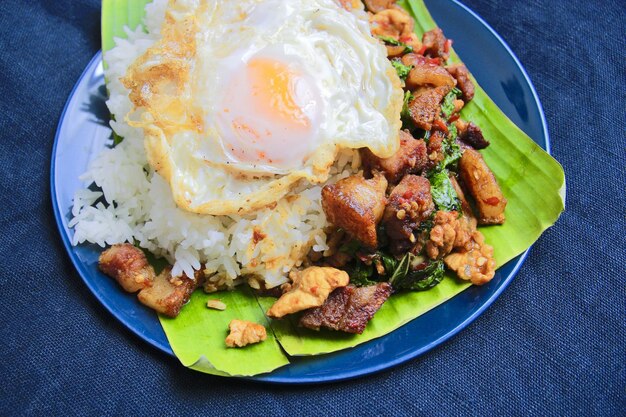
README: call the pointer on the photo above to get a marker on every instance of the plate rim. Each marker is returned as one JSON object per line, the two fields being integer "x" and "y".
{"x": 270, "y": 378}
{"x": 97, "y": 58}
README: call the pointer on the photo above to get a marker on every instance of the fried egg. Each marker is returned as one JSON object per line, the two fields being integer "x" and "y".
{"x": 241, "y": 100}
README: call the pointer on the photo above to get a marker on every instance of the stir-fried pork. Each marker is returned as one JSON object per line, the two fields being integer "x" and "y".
{"x": 396, "y": 24}
{"x": 425, "y": 106}
{"x": 163, "y": 293}
{"x": 167, "y": 295}
{"x": 434, "y": 148}
{"x": 424, "y": 73}
{"x": 310, "y": 288}
{"x": 410, "y": 158}
{"x": 376, "y": 6}
{"x": 128, "y": 265}
{"x": 435, "y": 44}
{"x": 348, "y": 309}
{"x": 356, "y": 205}
{"x": 410, "y": 203}
{"x": 463, "y": 80}
{"x": 483, "y": 187}
{"x": 473, "y": 136}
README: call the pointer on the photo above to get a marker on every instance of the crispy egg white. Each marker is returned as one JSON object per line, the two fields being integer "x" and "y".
{"x": 242, "y": 99}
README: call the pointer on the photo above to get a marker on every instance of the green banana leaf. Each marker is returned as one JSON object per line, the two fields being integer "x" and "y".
{"x": 197, "y": 336}
{"x": 532, "y": 180}
{"x": 118, "y": 14}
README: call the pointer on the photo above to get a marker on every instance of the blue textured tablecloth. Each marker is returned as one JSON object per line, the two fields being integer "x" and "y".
{"x": 552, "y": 344}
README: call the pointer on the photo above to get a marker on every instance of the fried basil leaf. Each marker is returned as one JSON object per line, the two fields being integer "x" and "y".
{"x": 391, "y": 41}
{"x": 422, "y": 279}
{"x": 447, "y": 106}
{"x": 361, "y": 274}
{"x": 444, "y": 194}
{"x": 401, "y": 69}
{"x": 451, "y": 150}
{"x": 350, "y": 247}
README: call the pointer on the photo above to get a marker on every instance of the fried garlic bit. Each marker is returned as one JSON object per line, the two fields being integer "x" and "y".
{"x": 310, "y": 288}
{"x": 243, "y": 333}
{"x": 216, "y": 305}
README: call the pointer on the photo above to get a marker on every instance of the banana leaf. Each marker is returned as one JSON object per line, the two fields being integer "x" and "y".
{"x": 197, "y": 336}
{"x": 532, "y": 180}
{"x": 118, "y": 14}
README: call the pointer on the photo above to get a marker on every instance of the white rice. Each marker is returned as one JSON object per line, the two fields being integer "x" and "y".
{"x": 140, "y": 207}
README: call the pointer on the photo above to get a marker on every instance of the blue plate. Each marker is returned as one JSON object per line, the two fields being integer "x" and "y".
{"x": 83, "y": 132}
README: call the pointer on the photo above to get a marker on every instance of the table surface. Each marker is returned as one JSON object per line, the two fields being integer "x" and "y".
{"x": 553, "y": 344}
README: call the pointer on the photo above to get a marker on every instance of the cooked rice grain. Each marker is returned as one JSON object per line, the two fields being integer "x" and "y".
{"x": 145, "y": 212}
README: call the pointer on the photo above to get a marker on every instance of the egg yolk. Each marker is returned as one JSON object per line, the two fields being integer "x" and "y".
{"x": 273, "y": 90}
{"x": 269, "y": 113}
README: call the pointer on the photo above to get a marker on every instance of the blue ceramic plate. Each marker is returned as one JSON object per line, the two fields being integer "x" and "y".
{"x": 83, "y": 132}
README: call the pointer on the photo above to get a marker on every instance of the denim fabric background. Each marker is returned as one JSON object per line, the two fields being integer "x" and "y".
{"x": 552, "y": 344}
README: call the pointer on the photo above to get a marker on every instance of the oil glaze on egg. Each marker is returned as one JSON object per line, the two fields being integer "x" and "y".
{"x": 240, "y": 100}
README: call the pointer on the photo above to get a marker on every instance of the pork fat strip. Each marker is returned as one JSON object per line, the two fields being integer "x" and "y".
{"x": 348, "y": 309}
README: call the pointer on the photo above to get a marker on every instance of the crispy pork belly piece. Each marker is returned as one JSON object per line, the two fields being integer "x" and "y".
{"x": 348, "y": 309}
{"x": 410, "y": 158}
{"x": 128, "y": 265}
{"x": 473, "y": 136}
{"x": 476, "y": 264}
{"x": 376, "y": 6}
{"x": 410, "y": 203}
{"x": 395, "y": 23}
{"x": 434, "y": 42}
{"x": 449, "y": 232}
{"x": 425, "y": 73}
{"x": 310, "y": 288}
{"x": 412, "y": 59}
{"x": 163, "y": 293}
{"x": 243, "y": 333}
{"x": 463, "y": 80}
{"x": 482, "y": 185}
{"x": 356, "y": 205}
{"x": 426, "y": 105}
{"x": 167, "y": 295}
